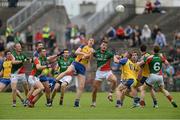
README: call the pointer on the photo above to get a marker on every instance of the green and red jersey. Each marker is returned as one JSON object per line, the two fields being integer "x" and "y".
{"x": 19, "y": 68}
{"x": 40, "y": 60}
{"x": 103, "y": 59}
{"x": 155, "y": 63}
{"x": 64, "y": 64}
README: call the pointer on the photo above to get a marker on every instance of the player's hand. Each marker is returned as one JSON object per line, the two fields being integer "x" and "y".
{"x": 48, "y": 66}
{"x": 87, "y": 56}
{"x": 60, "y": 53}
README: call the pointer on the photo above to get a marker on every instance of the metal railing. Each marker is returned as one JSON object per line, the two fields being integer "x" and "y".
{"x": 21, "y": 3}
{"x": 28, "y": 12}
{"x": 98, "y": 18}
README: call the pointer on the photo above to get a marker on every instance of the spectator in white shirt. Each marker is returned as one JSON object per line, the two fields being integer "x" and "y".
{"x": 146, "y": 34}
{"x": 160, "y": 39}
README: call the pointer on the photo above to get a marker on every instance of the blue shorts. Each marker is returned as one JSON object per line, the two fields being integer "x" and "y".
{"x": 43, "y": 78}
{"x": 143, "y": 79}
{"x": 129, "y": 83}
{"x": 5, "y": 81}
{"x": 51, "y": 82}
{"x": 79, "y": 68}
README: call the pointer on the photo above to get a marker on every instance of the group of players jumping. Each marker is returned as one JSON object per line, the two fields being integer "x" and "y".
{"x": 136, "y": 74}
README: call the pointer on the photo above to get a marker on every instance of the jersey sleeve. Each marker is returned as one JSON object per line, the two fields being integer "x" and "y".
{"x": 148, "y": 60}
{"x": 123, "y": 61}
{"x": 111, "y": 54}
{"x": 82, "y": 46}
{"x": 72, "y": 59}
{"x": 36, "y": 61}
{"x": 36, "y": 54}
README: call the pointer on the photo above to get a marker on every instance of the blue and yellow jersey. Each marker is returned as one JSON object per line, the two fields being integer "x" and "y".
{"x": 128, "y": 69}
{"x": 85, "y": 49}
{"x": 137, "y": 70}
{"x": 145, "y": 69}
{"x": 7, "y": 67}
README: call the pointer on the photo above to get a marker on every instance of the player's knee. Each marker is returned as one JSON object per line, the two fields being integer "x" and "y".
{"x": 81, "y": 87}
{"x": 14, "y": 89}
{"x": 46, "y": 88}
{"x": 95, "y": 86}
{"x": 64, "y": 84}
{"x": 55, "y": 89}
{"x": 63, "y": 88}
{"x": 113, "y": 78}
{"x": 142, "y": 89}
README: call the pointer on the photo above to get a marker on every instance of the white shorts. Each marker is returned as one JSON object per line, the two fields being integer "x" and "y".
{"x": 67, "y": 79}
{"x": 32, "y": 80}
{"x": 100, "y": 75}
{"x": 18, "y": 78}
{"x": 154, "y": 78}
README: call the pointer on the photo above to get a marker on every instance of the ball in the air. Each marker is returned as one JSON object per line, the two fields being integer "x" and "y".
{"x": 120, "y": 8}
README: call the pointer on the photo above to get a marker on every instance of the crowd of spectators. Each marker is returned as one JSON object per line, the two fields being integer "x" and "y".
{"x": 29, "y": 38}
{"x": 154, "y": 7}
{"x": 74, "y": 35}
{"x": 137, "y": 36}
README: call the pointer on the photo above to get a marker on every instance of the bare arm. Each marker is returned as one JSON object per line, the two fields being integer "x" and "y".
{"x": 1, "y": 73}
{"x": 116, "y": 58}
{"x": 52, "y": 58}
{"x": 140, "y": 63}
{"x": 40, "y": 67}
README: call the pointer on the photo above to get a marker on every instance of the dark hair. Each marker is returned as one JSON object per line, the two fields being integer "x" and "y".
{"x": 159, "y": 30}
{"x": 104, "y": 41}
{"x": 5, "y": 53}
{"x": 156, "y": 49}
{"x": 38, "y": 43}
{"x": 129, "y": 55}
{"x": 65, "y": 50}
{"x": 16, "y": 44}
{"x": 143, "y": 48}
{"x": 134, "y": 51}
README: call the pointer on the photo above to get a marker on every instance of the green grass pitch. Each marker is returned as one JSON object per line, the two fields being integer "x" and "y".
{"x": 104, "y": 109}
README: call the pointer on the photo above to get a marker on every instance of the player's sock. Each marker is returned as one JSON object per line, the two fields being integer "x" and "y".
{"x": 48, "y": 104}
{"x": 61, "y": 101}
{"x": 31, "y": 97}
{"x": 14, "y": 103}
{"x": 119, "y": 103}
{"x": 48, "y": 100}
{"x": 76, "y": 103}
{"x": 154, "y": 102}
{"x": 142, "y": 103}
{"x": 22, "y": 101}
{"x": 136, "y": 100}
{"x": 174, "y": 104}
